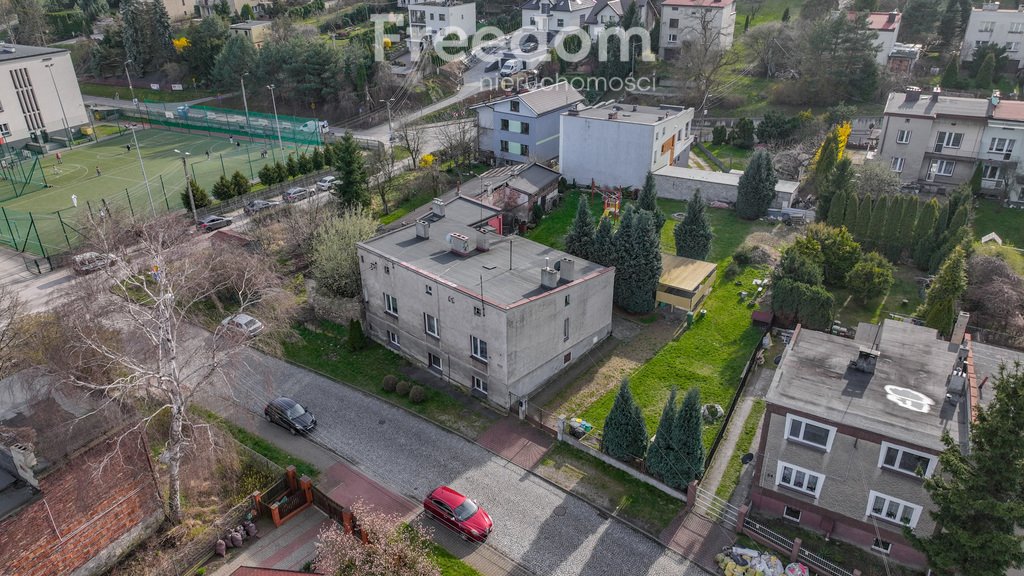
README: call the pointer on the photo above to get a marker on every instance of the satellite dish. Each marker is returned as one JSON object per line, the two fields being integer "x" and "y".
{"x": 747, "y": 458}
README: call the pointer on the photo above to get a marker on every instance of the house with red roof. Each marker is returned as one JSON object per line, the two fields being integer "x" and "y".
{"x": 887, "y": 26}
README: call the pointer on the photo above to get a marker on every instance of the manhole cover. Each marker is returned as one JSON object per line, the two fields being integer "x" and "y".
{"x": 559, "y": 510}
{"x": 380, "y": 422}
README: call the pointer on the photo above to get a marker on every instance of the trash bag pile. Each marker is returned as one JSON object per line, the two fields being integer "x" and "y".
{"x": 739, "y": 561}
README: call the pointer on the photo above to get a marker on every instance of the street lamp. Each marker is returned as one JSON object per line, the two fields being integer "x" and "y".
{"x": 131, "y": 88}
{"x": 67, "y": 127}
{"x": 138, "y": 151}
{"x": 188, "y": 184}
{"x": 390, "y": 130}
{"x": 246, "y": 104}
{"x": 276, "y": 122}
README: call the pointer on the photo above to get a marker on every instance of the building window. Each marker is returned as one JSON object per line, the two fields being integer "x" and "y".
{"x": 430, "y": 289}
{"x": 524, "y": 150}
{"x": 430, "y": 325}
{"x": 393, "y": 339}
{"x": 791, "y": 513}
{"x": 387, "y": 269}
{"x": 5, "y": 129}
{"x": 673, "y": 22}
{"x": 434, "y": 361}
{"x": 987, "y": 27}
{"x": 566, "y": 299}
{"x": 479, "y": 384}
{"x": 673, "y": 38}
{"x": 943, "y": 167}
{"x": 1012, "y": 46}
{"x": 1017, "y": 28}
{"x": 533, "y": 21}
{"x": 514, "y": 106}
{"x": 948, "y": 140}
{"x": 479, "y": 348}
{"x": 799, "y": 479}
{"x": 989, "y": 172}
{"x": 896, "y": 165}
{"x": 477, "y": 311}
{"x": 906, "y": 460}
{"x": 524, "y": 128}
{"x": 391, "y": 304}
{"x": 26, "y": 95}
{"x": 565, "y": 330}
{"x": 1001, "y": 145}
{"x": 883, "y": 546}
{"x": 440, "y": 17}
{"x": 567, "y": 358}
{"x": 504, "y": 146}
{"x": 504, "y": 124}
{"x": 809, "y": 432}
{"x": 893, "y": 509}
{"x": 903, "y": 137}
{"x": 980, "y": 43}
{"x": 561, "y": 23}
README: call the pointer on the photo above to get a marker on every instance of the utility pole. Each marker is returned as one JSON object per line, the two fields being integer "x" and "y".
{"x": 188, "y": 185}
{"x": 245, "y": 103}
{"x": 132, "y": 88}
{"x": 149, "y": 190}
{"x": 276, "y": 122}
{"x": 67, "y": 128}
{"x": 390, "y": 129}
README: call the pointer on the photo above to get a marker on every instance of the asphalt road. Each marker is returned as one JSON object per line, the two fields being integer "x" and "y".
{"x": 540, "y": 526}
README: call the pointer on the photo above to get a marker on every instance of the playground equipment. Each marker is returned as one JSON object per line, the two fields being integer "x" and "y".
{"x": 612, "y": 198}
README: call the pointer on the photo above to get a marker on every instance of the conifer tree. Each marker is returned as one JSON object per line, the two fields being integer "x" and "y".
{"x": 822, "y": 172}
{"x": 579, "y": 240}
{"x": 891, "y": 244}
{"x": 939, "y": 308}
{"x": 693, "y": 233}
{"x": 864, "y": 213}
{"x": 624, "y": 252}
{"x": 907, "y": 226}
{"x": 660, "y": 455}
{"x": 851, "y": 214}
{"x": 687, "y": 442}
{"x": 641, "y": 271}
{"x": 604, "y": 243}
{"x": 222, "y": 189}
{"x": 951, "y": 75}
{"x": 354, "y": 188}
{"x": 648, "y": 200}
{"x": 924, "y": 232}
{"x": 837, "y": 210}
{"x": 625, "y": 432}
{"x": 292, "y": 165}
{"x": 240, "y": 184}
{"x": 875, "y": 238}
{"x": 756, "y": 189}
{"x": 158, "y": 30}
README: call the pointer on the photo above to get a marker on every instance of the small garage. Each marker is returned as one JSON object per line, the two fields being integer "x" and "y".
{"x": 684, "y": 283}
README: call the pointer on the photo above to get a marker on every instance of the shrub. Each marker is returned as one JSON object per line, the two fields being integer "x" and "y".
{"x": 356, "y": 338}
{"x": 718, "y": 135}
{"x": 744, "y": 255}
{"x": 389, "y": 383}
{"x": 402, "y": 388}
{"x": 733, "y": 270}
{"x": 418, "y": 394}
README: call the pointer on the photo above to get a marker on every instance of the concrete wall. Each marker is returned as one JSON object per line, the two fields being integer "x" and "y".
{"x": 671, "y": 185}
{"x": 47, "y": 99}
{"x": 84, "y": 520}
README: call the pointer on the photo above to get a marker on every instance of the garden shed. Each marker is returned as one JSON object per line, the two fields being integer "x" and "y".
{"x": 684, "y": 282}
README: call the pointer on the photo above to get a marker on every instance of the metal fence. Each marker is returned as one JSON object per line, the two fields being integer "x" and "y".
{"x": 716, "y": 509}
{"x": 782, "y": 544}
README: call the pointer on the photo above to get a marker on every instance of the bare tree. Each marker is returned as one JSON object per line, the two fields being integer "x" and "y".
{"x": 384, "y": 167}
{"x": 11, "y": 334}
{"x": 458, "y": 139}
{"x": 773, "y": 44}
{"x": 130, "y": 331}
{"x": 412, "y": 138}
{"x": 703, "y": 58}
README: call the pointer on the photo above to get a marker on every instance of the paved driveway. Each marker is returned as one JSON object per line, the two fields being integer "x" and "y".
{"x": 536, "y": 524}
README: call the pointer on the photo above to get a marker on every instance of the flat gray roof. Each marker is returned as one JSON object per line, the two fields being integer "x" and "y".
{"x": 503, "y": 286}
{"x": 987, "y": 360}
{"x": 534, "y": 179}
{"x": 943, "y": 106}
{"x": 630, "y": 113}
{"x": 21, "y": 51}
{"x": 903, "y": 399}
{"x": 714, "y": 177}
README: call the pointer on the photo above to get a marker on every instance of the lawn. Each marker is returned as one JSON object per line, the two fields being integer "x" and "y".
{"x": 850, "y": 311}
{"x": 552, "y": 228}
{"x": 449, "y": 564}
{"x": 260, "y": 446}
{"x": 710, "y": 355}
{"x": 323, "y": 347}
{"x": 734, "y": 158}
{"x": 143, "y": 94}
{"x": 1008, "y": 223}
{"x": 731, "y": 476}
{"x": 609, "y": 487}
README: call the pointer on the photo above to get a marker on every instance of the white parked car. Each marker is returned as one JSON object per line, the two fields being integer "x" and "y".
{"x": 326, "y": 183}
{"x": 243, "y": 323}
{"x": 311, "y": 126}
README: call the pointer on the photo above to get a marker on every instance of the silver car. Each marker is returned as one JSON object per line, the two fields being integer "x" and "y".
{"x": 295, "y": 194}
{"x": 244, "y": 324}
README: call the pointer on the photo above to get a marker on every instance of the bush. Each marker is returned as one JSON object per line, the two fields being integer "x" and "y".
{"x": 268, "y": 175}
{"x": 418, "y": 394}
{"x": 356, "y": 338}
{"x": 718, "y": 135}
{"x": 402, "y": 388}
{"x": 389, "y": 383}
{"x": 744, "y": 255}
{"x": 733, "y": 270}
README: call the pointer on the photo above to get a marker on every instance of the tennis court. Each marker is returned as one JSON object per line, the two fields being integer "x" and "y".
{"x": 108, "y": 176}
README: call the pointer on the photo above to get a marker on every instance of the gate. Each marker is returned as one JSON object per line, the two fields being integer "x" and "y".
{"x": 714, "y": 508}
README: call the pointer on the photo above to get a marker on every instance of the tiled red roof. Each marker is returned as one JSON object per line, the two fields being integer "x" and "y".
{"x": 709, "y": 3}
{"x": 1009, "y": 110}
{"x": 250, "y": 571}
{"x": 879, "y": 20}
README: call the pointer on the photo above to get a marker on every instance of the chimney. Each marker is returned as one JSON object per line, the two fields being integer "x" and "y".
{"x": 483, "y": 243}
{"x": 24, "y": 459}
{"x": 422, "y": 229}
{"x": 996, "y": 94}
{"x": 548, "y": 277}
{"x": 913, "y": 94}
{"x": 459, "y": 243}
{"x": 892, "y": 16}
{"x": 936, "y": 92}
{"x": 574, "y": 112}
{"x": 634, "y": 107}
{"x": 567, "y": 268}
{"x": 437, "y": 207}
{"x": 960, "y": 328}
{"x": 613, "y": 115}
{"x": 866, "y": 360}
{"x": 990, "y": 6}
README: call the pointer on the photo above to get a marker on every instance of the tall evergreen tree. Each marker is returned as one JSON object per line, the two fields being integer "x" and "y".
{"x": 986, "y": 73}
{"x": 837, "y": 210}
{"x": 892, "y": 244}
{"x": 924, "y": 234}
{"x": 641, "y": 273}
{"x": 354, "y": 188}
{"x": 236, "y": 59}
{"x": 648, "y": 200}
{"x": 579, "y": 240}
{"x": 206, "y": 40}
{"x": 875, "y": 238}
{"x": 158, "y": 35}
{"x": 864, "y": 213}
{"x": 756, "y": 189}
{"x": 821, "y": 172}
{"x": 951, "y": 75}
{"x": 965, "y": 16}
{"x": 661, "y": 456}
{"x": 851, "y": 214}
{"x": 977, "y": 495}
{"x": 625, "y": 252}
{"x": 939, "y": 308}
{"x": 693, "y": 233}
{"x": 604, "y": 243}
{"x": 949, "y": 25}
{"x": 625, "y": 432}
{"x": 907, "y": 227}
{"x": 687, "y": 442}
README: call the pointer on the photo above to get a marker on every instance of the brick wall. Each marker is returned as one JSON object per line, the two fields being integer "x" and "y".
{"x": 90, "y": 512}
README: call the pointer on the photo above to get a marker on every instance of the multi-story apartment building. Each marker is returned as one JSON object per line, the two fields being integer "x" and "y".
{"x": 887, "y": 26}
{"x": 618, "y": 144}
{"x": 933, "y": 139}
{"x": 553, "y": 16}
{"x": 1002, "y": 151}
{"x": 499, "y": 316}
{"x": 255, "y": 31}
{"x": 853, "y": 427}
{"x": 39, "y": 94}
{"x": 610, "y": 12}
{"x": 525, "y": 127}
{"x": 429, "y": 19}
{"x": 990, "y": 25}
{"x": 710, "y": 23}
{"x": 204, "y": 8}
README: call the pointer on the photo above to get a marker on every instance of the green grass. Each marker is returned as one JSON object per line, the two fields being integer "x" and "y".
{"x": 449, "y": 564}
{"x": 552, "y": 228}
{"x": 1012, "y": 256}
{"x": 704, "y": 158}
{"x": 1008, "y": 223}
{"x": 850, "y": 311}
{"x": 325, "y": 350}
{"x": 259, "y": 445}
{"x": 143, "y": 94}
{"x": 103, "y": 130}
{"x": 731, "y": 476}
{"x": 636, "y": 501}
{"x": 407, "y": 206}
{"x": 710, "y": 355}
{"x": 734, "y": 158}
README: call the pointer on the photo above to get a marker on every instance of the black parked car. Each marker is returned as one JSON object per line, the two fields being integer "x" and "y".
{"x": 290, "y": 415}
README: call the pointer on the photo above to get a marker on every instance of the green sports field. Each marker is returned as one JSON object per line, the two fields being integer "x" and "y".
{"x": 48, "y": 216}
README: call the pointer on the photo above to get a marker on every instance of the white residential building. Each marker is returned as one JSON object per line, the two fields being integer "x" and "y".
{"x": 887, "y": 26}
{"x": 499, "y": 316}
{"x": 705, "y": 22}
{"x": 431, "y": 20}
{"x": 38, "y": 92}
{"x": 553, "y": 16}
{"x": 990, "y": 25}
{"x": 610, "y": 12}
{"x": 1002, "y": 151}
{"x": 617, "y": 144}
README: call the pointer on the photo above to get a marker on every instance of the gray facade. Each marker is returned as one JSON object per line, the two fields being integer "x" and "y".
{"x": 680, "y": 183}
{"x": 435, "y": 301}
{"x": 525, "y": 127}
